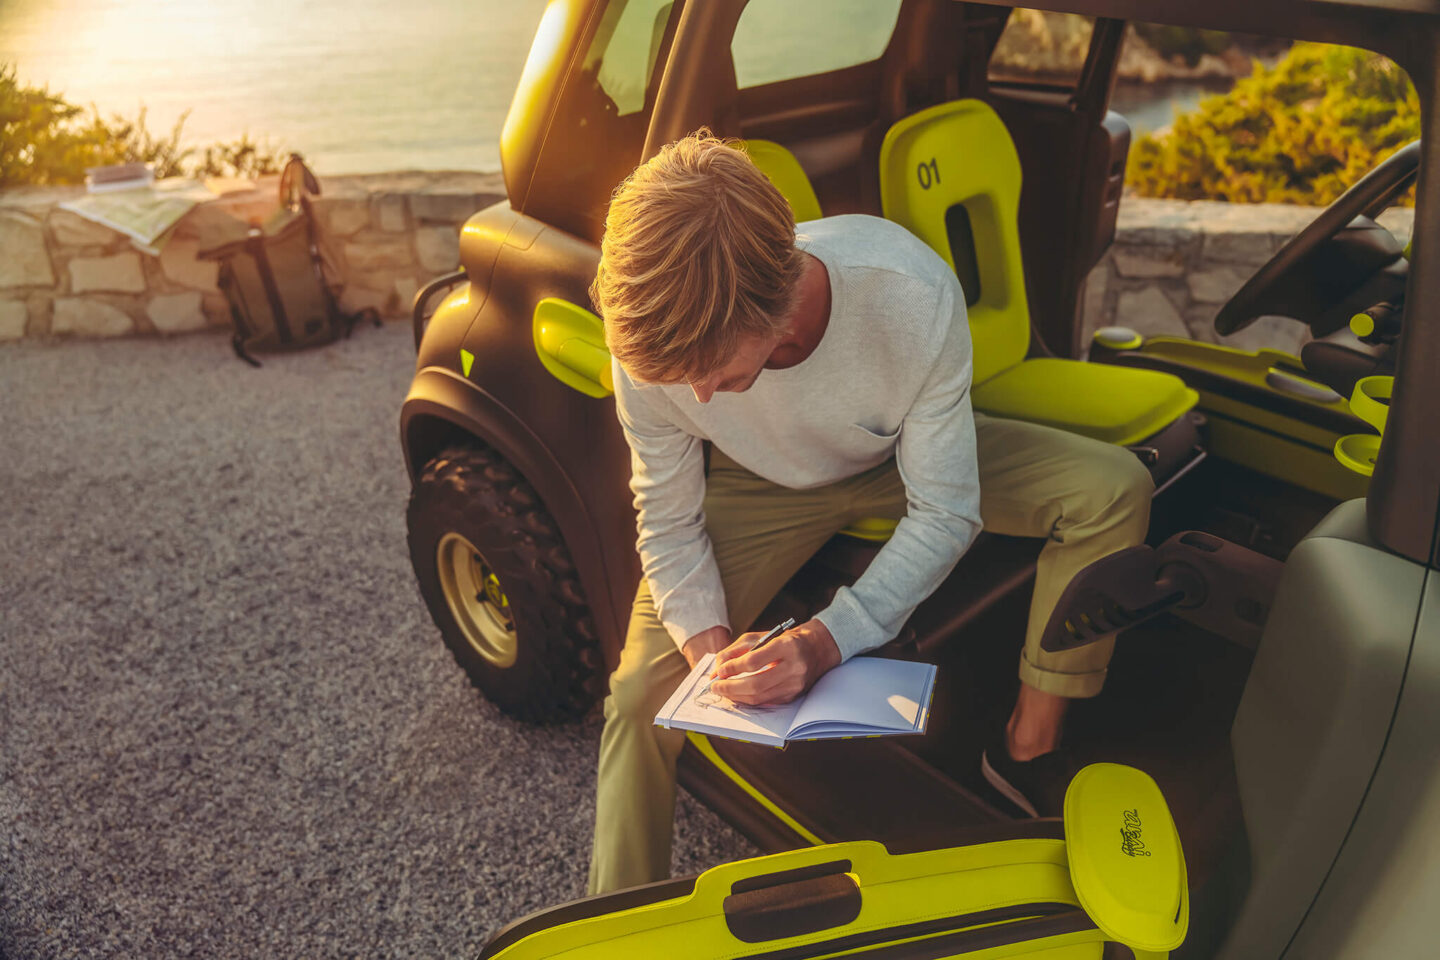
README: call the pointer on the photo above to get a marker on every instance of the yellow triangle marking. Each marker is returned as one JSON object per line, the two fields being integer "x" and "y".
{"x": 467, "y": 359}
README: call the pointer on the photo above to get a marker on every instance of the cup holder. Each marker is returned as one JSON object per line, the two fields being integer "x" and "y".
{"x": 1370, "y": 402}
{"x": 1358, "y": 452}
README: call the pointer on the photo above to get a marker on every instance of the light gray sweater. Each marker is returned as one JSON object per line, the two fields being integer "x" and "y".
{"x": 890, "y": 376}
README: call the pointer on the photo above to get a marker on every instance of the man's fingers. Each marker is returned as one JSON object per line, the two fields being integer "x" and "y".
{"x": 746, "y": 683}
{"x": 757, "y": 689}
{"x": 748, "y": 662}
{"x": 734, "y": 648}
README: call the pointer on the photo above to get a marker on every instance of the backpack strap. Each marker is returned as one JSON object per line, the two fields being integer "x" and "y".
{"x": 256, "y": 245}
{"x": 226, "y": 282}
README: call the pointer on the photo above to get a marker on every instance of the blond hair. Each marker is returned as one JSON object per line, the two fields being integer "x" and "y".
{"x": 699, "y": 251}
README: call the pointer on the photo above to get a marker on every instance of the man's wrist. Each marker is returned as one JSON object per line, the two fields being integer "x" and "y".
{"x": 822, "y": 653}
{"x": 711, "y": 640}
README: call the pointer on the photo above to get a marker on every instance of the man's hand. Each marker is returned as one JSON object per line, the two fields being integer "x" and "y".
{"x": 792, "y": 662}
{"x": 712, "y": 640}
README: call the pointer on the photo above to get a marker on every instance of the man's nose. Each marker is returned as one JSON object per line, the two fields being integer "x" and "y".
{"x": 703, "y": 391}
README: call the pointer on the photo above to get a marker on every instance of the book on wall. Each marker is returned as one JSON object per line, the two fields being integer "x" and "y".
{"x": 863, "y": 697}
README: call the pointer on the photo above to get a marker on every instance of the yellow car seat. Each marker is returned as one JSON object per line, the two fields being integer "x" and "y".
{"x": 954, "y": 166}
{"x": 925, "y": 188}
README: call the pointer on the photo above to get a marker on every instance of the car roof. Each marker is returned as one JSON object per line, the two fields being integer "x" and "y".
{"x": 1380, "y": 25}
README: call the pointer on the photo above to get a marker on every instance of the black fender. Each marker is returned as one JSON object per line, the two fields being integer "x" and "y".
{"x": 443, "y": 408}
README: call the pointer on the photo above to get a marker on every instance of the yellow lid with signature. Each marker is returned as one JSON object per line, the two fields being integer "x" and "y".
{"x": 1125, "y": 857}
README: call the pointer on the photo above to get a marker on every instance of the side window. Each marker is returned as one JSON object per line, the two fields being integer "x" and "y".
{"x": 598, "y": 131}
{"x": 623, "y": 53}
{"x": 1042, "y": 48}
{"x": 782, "y": 39}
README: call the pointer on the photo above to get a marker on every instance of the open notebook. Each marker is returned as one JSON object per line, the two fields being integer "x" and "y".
{"x": 863, "y": 697}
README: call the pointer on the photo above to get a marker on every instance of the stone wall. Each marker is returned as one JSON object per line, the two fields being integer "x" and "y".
{"x": 1172, "y": 265}
{"x": 63, "y": 275}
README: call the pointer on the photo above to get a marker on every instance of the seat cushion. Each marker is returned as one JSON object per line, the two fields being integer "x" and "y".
{"x": 1121, "y": 405}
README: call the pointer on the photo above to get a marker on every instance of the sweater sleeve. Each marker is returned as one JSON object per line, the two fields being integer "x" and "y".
{"x": 935, "y": 455}
{"x": 667, "y": 476}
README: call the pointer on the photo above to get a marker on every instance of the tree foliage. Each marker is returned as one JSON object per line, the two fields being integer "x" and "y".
{"x": 45, "y": 140}
{"x": 1301, "y": 131}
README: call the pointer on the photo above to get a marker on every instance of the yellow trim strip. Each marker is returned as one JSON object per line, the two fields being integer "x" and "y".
{"x": 702, "y": 743}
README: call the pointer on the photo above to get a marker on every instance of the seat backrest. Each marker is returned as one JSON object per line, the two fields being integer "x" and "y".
{"x": 951, "y": 175}
{"x": 780, "y": 165}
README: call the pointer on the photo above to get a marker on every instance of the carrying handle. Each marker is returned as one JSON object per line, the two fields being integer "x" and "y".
{"x": 792, "y": 903}
{"x": 801, "y": 891}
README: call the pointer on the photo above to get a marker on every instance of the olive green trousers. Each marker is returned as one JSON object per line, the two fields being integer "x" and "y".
{"x": 1087, "y": 498}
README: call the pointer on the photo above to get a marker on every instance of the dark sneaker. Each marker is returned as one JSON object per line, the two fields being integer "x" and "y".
{"x": 1036, "y": 787}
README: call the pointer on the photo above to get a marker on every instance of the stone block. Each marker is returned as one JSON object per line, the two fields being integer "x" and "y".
{"x": 380, "y": 280}
{"x": 447, "y": 207}
{"x": 438, "y": 248}
{"x": 119, "y": 273}
{"x": 340, "y": 216}
{"x": 378, "y": 254}
{"x": 1236, "y": 247}
{"x": 217, "y": 309}
{"x": 387, "y": 212}
{"x": 1169, "y": 236}
{"x": 90, "y": 318}
{"x": 179, "y": 262}
{"x": 1093, "y": 315}
{"x": 405, "y": 290}
{"x": 354, "y": 298}
{"x": 1400, "y": 221}
{"x": 1132, "y": 260}
{"x": 13, "y": 315}
{"x": 1148, "y": 311}
{"x": 177, "y": 312}
{"x": 42, "y": 307}
{"x": 1276, "y": 333}
{"x": 24, "y": 261}
{"x": 1216, "y": 284}
{"x": 1200, "y": 321}
{"x": 73, "y": 230}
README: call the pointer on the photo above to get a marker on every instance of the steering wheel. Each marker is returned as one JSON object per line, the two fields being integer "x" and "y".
{"x": 1370, "y": 195}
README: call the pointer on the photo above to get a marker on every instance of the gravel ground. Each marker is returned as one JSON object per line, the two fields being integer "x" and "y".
{"x": 228, "y": 727}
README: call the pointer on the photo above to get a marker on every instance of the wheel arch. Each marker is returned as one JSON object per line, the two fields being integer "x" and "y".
{"x": 442, "y": 408}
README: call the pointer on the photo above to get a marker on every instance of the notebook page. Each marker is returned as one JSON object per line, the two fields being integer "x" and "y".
{"x": 694, "y": 707}
{"x": 869, "y": 693}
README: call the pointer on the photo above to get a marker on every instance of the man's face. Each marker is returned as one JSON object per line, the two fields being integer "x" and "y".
{"x": 740, "y": 373}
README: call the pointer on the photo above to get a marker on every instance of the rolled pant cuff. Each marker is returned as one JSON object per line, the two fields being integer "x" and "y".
{"x": 1074, "y": 685}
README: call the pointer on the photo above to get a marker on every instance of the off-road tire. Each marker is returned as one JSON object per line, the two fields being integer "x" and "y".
{"x": 473, "y": 491}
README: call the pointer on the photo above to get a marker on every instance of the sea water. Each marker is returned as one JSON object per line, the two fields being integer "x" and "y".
{"x": 357, "y": 86}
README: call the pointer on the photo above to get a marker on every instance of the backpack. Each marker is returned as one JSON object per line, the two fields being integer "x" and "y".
{"x": 274, "y": 277}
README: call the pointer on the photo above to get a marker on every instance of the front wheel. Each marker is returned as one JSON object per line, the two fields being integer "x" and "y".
{"x": 501, "y": 586}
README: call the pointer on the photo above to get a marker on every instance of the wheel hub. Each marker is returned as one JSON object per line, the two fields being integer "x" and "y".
{"x": 477, "y": 600}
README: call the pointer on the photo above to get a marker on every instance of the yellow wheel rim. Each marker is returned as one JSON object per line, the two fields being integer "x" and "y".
{"x": 477, "y": 601}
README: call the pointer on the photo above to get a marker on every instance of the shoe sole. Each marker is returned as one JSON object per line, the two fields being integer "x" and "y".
{"x": 1005, "y": 787}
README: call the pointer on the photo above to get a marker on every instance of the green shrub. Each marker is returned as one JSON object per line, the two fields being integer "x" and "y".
{"x": 45, "y": 140}
{"x": 1299, "y": 132}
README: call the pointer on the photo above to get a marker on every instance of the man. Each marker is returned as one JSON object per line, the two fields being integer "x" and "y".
{"x": 830, "y": 370}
